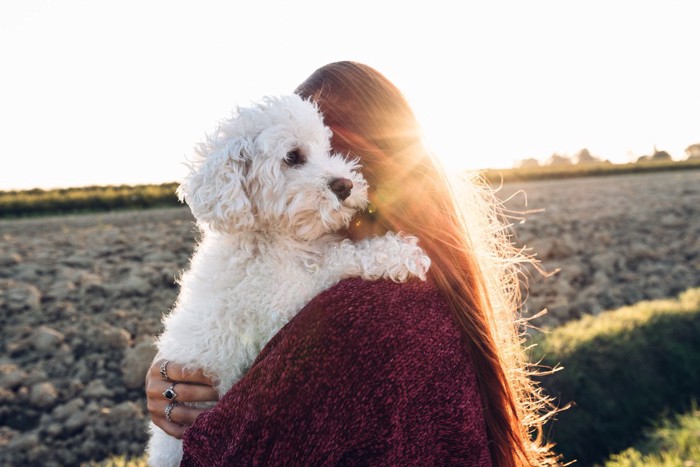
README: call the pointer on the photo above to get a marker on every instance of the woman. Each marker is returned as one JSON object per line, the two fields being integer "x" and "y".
{"x": 383, "y": 373}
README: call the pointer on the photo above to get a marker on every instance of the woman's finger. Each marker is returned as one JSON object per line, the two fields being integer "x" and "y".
{"x": 182, "y": 392}
{"x": 183, "y": 414}
{"x": 185, "y": 386}
{"x": 177, "y": 372}
{"x": 180, "y": 416}
{"x": 171, "y": 428}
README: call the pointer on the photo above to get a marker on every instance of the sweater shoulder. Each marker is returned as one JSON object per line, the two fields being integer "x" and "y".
{"x": 377, "y": 322}
{"x": 357, "y": 300}
{"x": 374, "y": 310}
{"x": 358, "y": 293}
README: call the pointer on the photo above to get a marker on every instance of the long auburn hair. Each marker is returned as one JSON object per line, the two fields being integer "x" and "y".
{"x": 474, "y": 263}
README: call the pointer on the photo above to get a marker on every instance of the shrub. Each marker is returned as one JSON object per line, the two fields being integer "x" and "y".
{"x": 672, "y": 443}
{"x": 622, "y": 369}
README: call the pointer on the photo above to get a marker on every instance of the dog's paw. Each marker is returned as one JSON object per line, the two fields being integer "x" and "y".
{"x": 392, "y": 256}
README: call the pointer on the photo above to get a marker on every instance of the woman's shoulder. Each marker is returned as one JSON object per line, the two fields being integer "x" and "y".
{"x": 375, "y": 308}
{"x": 398, "y": 317}
{"x": 356, "y": 298}
{"x": 358, "y": 288}
{"x": 356, "y": 314}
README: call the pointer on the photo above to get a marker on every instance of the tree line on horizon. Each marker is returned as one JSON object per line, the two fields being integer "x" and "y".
{"x": 37, "y": 202}
{"x": 584, "y": 156}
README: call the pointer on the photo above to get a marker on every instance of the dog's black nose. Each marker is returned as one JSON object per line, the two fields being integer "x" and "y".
{"x": 341, "y": 187}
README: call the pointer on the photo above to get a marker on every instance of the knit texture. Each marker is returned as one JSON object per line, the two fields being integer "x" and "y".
{"x": 368, "y": 373}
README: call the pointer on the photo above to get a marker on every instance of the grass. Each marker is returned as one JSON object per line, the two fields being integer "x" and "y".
{"x": 120, "y": 461}
{"x": 36, "y": 202}
{"x": 609, "y": 325}
{"x": 674, "y": 442}
{"x": 622, "y": 370}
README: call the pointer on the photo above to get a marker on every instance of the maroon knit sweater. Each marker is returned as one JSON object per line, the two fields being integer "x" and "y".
{"x": 368, "y": 373}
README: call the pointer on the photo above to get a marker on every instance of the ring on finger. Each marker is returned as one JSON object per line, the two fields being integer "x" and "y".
{"x": 169, "y": 410}
{"x": 170, "y": 393}
{"x": 164, "y": 370}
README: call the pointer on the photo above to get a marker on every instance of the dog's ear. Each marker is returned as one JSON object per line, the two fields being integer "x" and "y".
{"x": 215, "y": 187}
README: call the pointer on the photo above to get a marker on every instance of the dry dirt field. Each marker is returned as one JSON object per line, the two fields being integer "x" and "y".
{"x": 82, "y": 296}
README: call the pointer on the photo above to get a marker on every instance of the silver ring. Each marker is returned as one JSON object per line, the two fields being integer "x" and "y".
{"x": 170, "y": 393}
{"x": 164, "y": 370}
{"x": 168, "y": 411}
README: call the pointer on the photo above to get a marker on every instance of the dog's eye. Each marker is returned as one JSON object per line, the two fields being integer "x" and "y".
{"x": 295, "y": 157}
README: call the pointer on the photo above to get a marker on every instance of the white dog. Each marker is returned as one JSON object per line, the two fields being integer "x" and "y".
{"x": 267, "y": 194}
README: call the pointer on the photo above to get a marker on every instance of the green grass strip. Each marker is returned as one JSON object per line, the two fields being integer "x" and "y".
{"x": 622, "y": 369}
{"x": 674, "y": 442}
{"x": 37, "y": 202}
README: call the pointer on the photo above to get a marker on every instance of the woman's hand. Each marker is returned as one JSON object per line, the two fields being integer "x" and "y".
{"x": 190, "y": 386}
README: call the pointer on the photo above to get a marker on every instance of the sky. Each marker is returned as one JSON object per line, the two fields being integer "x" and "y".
{"x": 106, "y": 92}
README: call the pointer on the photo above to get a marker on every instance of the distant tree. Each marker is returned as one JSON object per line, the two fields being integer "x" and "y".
{"x": 660, "y": 155}
{"x": 559, "y": 160}
{"x": 584, "y": 157}
{"x": 529, "y": 163}
{"x": 693, "y": 151}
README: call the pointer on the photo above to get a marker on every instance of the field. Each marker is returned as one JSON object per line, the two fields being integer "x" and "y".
{"x": 82, "y": 295}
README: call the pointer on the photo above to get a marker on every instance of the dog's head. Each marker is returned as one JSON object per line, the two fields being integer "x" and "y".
{"x": 269, "y": 167}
